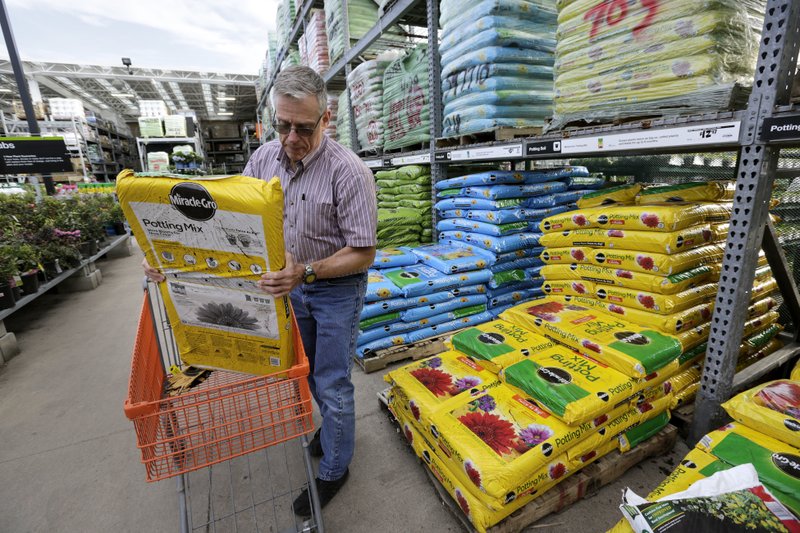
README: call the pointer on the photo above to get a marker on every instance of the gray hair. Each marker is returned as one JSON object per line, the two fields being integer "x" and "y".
{"x": 299, "y": 82}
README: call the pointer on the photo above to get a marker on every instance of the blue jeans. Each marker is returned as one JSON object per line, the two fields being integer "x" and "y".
{"x": 327, "y": 314}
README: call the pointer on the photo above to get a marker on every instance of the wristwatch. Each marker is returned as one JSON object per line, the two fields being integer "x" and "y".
{"x": 309, "y": 276}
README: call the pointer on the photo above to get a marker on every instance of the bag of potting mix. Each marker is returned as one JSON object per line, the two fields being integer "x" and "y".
{"x": 772, "y": 408}
{"x": 213, "y": 238}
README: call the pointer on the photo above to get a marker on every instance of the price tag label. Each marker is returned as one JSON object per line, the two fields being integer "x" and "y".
{"x": 485, "y": 153}
{"x": 374, "y": 163}
{"x": 422, "y": 159}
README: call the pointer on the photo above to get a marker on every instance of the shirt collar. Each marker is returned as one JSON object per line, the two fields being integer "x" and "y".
{"x": 307, "y": 160}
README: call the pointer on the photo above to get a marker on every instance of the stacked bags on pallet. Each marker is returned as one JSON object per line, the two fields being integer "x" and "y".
{"x": 627, "y": 59}
{"x": 506, "y": 414}
{"x": 764, "y": 433}
{"x": 404, "y": 206}
{"x": 284, "y": 20}
{"x": 366, "y": 97}
{"x": 406, "y": 104}
{"x": 333, "y": 105}
{"x": 498, "y": 212}
{"x": 653, "y": 258}
{"x": 362, "y": 16}
{"x": 417, "y": 293}
{"x": 497, "y": 64}
{"x": 314, "y": 43}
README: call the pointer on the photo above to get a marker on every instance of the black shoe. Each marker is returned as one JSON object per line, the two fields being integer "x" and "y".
{"x": 315, "y": 446}
{"x": 326, "y": 490}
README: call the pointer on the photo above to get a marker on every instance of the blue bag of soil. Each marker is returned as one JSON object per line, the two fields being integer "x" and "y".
{"x": 502, "y": 192}
{"x": 514, "y": 297}
{"x": 494, "y": 177}
{"x": 417, "y": 280}
{"x": 451, "y": 258}
{"x": 498, "y": 245}
{"x": 398, "y": 304}
{"x": 475, "y": 226}
{"x": 518, "y": 254}
{"x": 394, "y": 257}
{"x": 418, "y": 313}
{"x": 512, "y": 287}
{"x": 541, "y": 213}
{"x": 479, "y": 318}
{"x": 516, "y": 264}
{"x": 469, "y": 290}
{"x": 366, "y": 350}
{"x": 380, "y": 288}
{"x": 478, "y": 203}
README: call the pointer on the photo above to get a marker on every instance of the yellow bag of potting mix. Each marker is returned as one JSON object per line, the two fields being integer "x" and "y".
{"x": 499, "y": 344}
{"x": 672, "y": 323}
{"x": 213, "y": 238}
{"x": 772, "y": 408}
{"x": 795, "y": 375}
{"x": 506, "y": 443}
{"x": 571, "y": 386}
{"x": 695, "y": 466}
{"x": 662, "y": 264}
{"x": 633, "y": 350}
{"x": 579, "y": 219}
{"x": 671, "y": 242}
{"x": 777, "y": 463}
{"x": 662, "y": 304}
{"x": 566, "y": 256}
{"x": 706, "y": 191}
{"x": 432, "y": 382}
{"x": 623, "y": 194}
{"x": 619, "y": 277}
{"x": 662, "y": 218}
{"x": 569, "y": 287}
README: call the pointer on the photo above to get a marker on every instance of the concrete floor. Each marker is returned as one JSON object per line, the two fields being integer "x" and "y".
{"x": 68, "y": 460}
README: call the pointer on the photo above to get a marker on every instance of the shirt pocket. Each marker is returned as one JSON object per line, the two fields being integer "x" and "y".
{"x": 319, "y": 220}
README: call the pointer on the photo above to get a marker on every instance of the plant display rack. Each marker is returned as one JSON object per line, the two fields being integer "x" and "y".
{"x": 85, "y": 276}
{"x": 749, "y": 133}
{"x": 145, "y": 145}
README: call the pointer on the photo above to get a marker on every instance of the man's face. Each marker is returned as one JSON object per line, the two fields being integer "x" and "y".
{"x": 300, "y": 113}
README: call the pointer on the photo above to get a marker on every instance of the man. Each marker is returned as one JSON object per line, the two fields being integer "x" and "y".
{"x": 330, "y": 219}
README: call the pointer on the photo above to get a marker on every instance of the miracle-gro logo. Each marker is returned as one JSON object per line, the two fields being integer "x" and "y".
{"x": 193, "y": 201}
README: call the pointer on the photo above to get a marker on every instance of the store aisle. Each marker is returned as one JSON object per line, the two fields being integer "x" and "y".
{"x": 68, "y": 460}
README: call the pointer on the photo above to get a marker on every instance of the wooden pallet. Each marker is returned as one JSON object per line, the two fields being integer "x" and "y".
{"x": 499, "y": 134}
{"x": 382, "y": 358}
{"x": 583, "y": 484}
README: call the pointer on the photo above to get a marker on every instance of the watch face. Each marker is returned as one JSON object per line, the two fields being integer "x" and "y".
{"x": 310, "y": 278}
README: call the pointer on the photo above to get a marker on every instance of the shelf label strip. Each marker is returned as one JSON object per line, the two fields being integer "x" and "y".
{"x": 696, "y": 135}
{"x": 422, "y": 159}
{"x": 506, "y": 151}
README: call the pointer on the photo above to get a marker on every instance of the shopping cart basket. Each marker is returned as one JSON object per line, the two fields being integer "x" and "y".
{"x": 256, "y": 426}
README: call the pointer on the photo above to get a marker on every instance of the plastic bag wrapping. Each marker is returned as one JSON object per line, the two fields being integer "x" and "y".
{"x": 772, "y": 408}
{"x": 343, "y": 120}
{"x": 366, "y": 97}
{"x": 394, "y": 257}
{"x": 617, "y": 60}
{"x": 285, "y": 16}
{"x": 406, "y": 112}
{"x": 456, "y": 13}
{"x": 398, "y": 226}
{"x": 362, "y": 15}
{"x": 314, "y": 42}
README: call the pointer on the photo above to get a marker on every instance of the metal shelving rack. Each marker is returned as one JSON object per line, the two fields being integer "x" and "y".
{"x": 732, "y": 131}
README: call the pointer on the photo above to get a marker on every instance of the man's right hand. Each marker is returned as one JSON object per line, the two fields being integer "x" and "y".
{"x": 152, "y": 273}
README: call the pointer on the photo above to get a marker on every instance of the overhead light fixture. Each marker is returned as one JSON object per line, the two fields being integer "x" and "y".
{"x": 122, "y": 95}
{"x": 226, "y": 98}
{"x": 5, "y": 90}
{"x": 126, "y": 62}
{"x": 225, "y": 113}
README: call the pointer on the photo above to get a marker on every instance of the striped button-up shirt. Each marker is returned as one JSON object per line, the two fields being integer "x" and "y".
{"x": 329, "y": 198}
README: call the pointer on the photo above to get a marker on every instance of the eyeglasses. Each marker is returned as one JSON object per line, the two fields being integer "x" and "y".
{"x": 303, "y": 131}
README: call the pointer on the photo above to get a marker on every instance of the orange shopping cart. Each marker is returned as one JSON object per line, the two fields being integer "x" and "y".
{"x": 237, "y": 444}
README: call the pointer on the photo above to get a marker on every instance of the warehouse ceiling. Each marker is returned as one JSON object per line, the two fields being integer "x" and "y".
{"x": 117, "y": 90}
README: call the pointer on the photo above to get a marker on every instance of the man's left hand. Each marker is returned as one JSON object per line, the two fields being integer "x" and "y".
{"x": 281, "y": 283}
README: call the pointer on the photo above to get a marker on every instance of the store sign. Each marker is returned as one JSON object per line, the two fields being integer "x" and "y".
{"x": 506, "y": 151}
{"x": 700, "y": 135}
{"x": 442, "y": 157}
{"x": 374, "y": 163}
{"x": 33, "y": 155}
{"x": 781, "y": 128}
{"x": 532, "y": 149}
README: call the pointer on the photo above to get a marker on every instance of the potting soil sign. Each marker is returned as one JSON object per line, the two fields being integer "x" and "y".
{"x": 33, "y": 155}
{"x": 213, "y": 239}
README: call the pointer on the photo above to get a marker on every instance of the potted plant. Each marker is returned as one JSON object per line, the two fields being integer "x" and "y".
{"x": 27, "y": 263}
{"x": 118, "y": 219}
{"x": 8, "y": 270}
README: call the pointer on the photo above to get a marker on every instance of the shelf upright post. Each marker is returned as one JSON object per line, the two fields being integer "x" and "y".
{"x": 22, "y": 85}
{"x": 438, "y": 170}
{"x": 755, "y": 175}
